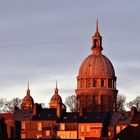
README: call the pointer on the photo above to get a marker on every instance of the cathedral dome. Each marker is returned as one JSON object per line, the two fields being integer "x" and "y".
{"x": 56, "y": 99}
{"x": 96, "y": 80}
{"x": 27, "y": 102}
{"x": 96, "y": 66}
{"x": 28, "y": 99}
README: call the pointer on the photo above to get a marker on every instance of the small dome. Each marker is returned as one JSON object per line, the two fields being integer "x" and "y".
{"x": 27, "y": 102}
{"x": 96, "y": 65}
{"x": 56, "y": 99}
{"x": 28, "y": 99}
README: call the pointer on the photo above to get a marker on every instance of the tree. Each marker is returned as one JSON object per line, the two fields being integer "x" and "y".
{"x": 71, "y": 102}
{"x": 8, "y": 106}
{"x": 120, "y": 103}
{"x": 135, "y": 102}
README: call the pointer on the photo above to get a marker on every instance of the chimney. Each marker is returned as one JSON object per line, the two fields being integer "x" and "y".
{"x": 35, "y": 109}
{"x": 133, "y": 111}
{"x": 82, "y": 112}
{"x": 59, "y": 111}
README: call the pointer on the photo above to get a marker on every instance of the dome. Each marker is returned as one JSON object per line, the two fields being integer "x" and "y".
{"x": 96, "y": 80}
{"x": 28, "y": 99}
{"x": 56, "y": 99}
{"x": 96, "y": 66}
{"x": 27, "y": 102}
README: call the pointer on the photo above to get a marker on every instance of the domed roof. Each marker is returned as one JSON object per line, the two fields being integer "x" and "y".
{"x": 27, "y": 101}
{"x": 96, "y": 65}
{"x": 56, "y": 97}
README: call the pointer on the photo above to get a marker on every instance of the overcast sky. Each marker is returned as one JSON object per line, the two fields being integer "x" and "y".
{"x": 44, "y": 41}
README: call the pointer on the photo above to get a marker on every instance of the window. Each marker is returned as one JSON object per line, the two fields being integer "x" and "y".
{"x": 78, "y": 84}
{"x": 102, "y": 82}
{"x": 95, "y": 43}
{"x": 118, "y": 129}
{"x": 47, "y": 133}
{"x": 62, "y": 126}
{"x": 88, "y": 128}
{"x": 23, "y": 125}
{"x": 23, "y": 136}
{"x": 39, "y": 126}
{"x": 110, "y": 83}
{"x": 82, "y": 128}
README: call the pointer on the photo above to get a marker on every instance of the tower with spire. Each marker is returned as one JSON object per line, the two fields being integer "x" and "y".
{"x": 27, "y": 102}
{"x": 56, "y": 102}
{"x": 56, "y": 99}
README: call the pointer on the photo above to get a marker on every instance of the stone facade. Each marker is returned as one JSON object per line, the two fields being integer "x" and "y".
{"x": 96, "y": 117}
{"x": 96, "y": 80}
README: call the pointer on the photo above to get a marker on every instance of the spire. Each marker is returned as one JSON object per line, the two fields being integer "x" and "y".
{"x": 56, "y": 89}
{"x": 28, "y": 89}
{"x": 97, "y": 30}
{"x": 56, "y": 85}
{"x": 28, "y": 86}
{"x": 96, "y": 41}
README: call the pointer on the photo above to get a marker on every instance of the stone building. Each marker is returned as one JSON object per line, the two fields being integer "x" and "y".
{"x": 96, "y": 80}
{"x": 96, "y": 117}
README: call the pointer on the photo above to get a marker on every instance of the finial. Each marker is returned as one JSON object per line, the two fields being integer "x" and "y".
{"x": 97, "y": 30}
{"x": 28, "y": 86}
{"x": 28, "y": 89}
{"x": 56, "y": 89}
{"x": 56, "y": 85}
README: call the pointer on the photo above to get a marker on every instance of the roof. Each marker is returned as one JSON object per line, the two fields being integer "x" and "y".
{"x": 96, "y": 65}
{"x": 89, "y": 117}
{"x": 94, "y": 117}
{"x": 136, "y": 118}
{"x": 46, "y": 114}
{"x": 23, "y": 114}
{"x": 121, "y": 118}
{"x": 7, "y": 115}
{"x": 69, "y": 117}
{"x": 129, "y": 133}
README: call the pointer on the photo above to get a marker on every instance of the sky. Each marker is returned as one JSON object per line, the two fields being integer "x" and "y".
{"x": 44, "y": 41}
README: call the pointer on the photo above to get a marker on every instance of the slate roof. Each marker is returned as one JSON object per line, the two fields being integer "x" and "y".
{"x": 7, "y": 115}
{"x": 69, "y": 117}
{"x": 121, "y": 118}
{"x": 136, "y": 118}
{"x": 95, "y": 117}
{"x": 46, "y": 114}
{"x": 22, "y": 114}
{"x": 89, "y": 117}
{"x": 129, "y": 133}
